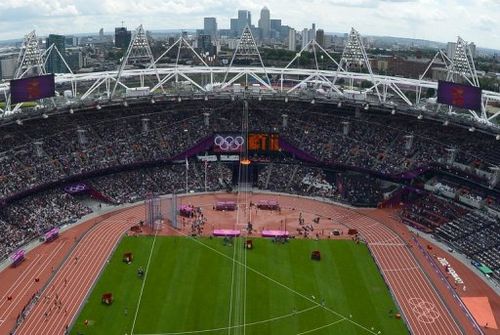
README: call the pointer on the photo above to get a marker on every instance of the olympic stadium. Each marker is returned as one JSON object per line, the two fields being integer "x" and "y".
{"x": 174, "y": 199}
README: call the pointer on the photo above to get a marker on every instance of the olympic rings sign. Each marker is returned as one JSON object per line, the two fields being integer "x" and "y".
{"x": 229, "y": 143}
{"x": 76, "y": 188}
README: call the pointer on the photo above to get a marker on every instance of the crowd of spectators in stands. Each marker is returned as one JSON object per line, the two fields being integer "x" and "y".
{"x": 476, "y": 234}
{"x": 31, "y": 217}
{"x": 430, "y": 212}
{"x": 312, "y": 181}
{"x": 47, "y": 150}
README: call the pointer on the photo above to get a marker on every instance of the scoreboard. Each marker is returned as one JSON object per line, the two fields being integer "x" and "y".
{"x": 266, "y": 142}
{"x": 255, "y": 142}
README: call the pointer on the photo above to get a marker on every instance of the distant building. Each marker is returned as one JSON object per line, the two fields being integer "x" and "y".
{"x": 54, "y": 63}
{"x": 308, "y": 35}
{"x": 71, "y": 41}
{"x": 450, "y": 49}
{"x": 265, "y": 23}
{"x": 210, "y": 27}
{"x": 292, "y": 39}
{"x": 244, "y": 19}
{"x": 233, "y": 27}
{"x": 74, "y": 58}
{"x": 472, "y": 48}
{"x": 205, "y": 44}
{"x": 276, "y": 24}
{"x": 122, "y": 37}
{"x": 8, "y": 66}
{"x": 320, "y": 37}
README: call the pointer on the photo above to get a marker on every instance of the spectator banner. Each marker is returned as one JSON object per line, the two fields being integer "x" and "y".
{"x": 459, "y": 95}
{"x": 229, "y": 158}
{"x": 76, "y": 188}
{"x": 207, "y": 158}
{"x": 32, "y": 88}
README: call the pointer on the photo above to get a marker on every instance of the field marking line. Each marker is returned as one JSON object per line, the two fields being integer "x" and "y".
{"x": 322, "y": 327}
{"x": 284, "y": 316}
{"x": 284, "y": 286}
{"x": 232, "y": 289}
{"x": 143, "y": 284}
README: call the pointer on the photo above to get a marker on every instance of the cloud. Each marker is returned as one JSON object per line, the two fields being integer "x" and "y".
{"x": 427, "y": 19}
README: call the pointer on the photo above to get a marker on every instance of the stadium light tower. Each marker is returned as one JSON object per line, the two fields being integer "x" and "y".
{"x": 247, "y": 49}
{"x": 138, "y": 52}
{"x": 30, "y": 60}
{"x": 354, "y": 56}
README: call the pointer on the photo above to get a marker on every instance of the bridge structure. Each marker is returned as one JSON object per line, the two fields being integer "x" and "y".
{"x": 349, "y": 80}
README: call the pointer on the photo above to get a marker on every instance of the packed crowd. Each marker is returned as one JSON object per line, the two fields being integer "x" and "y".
{"x": 312, "y": 181}
{"x": 31, "y": 217}
{"x": 430, "y": 212}
{"x": 51, "y": 149}
{"x": 136, "y": 185}
{"x": 477, "y": 235}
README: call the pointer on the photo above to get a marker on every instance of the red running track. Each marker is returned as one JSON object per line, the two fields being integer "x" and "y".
{"x": 77, "y": 275}
{"x": 424, "y": 310}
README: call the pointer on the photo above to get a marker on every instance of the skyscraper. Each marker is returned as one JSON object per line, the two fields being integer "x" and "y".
{"x": 320, "y": 37}
{"x": 244, "y": 19}
{"x": 292, "y": 39}
{"x": 54, "y": 63}
{"x": 265, "y": 23}
{"x": 210, "y": 27}
{"x": 205, "y": 44}
{"x": 122, "y": 37}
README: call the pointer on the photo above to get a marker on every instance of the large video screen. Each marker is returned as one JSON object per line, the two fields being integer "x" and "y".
{"x": 32, "y": 88}
{"x": 263, "y": 142}
{"x": 459, "y": 95}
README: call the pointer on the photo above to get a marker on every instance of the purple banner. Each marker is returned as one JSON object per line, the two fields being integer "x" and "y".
{"x": 18, "y": 255}
{"x": 32, "y": 88}
{"x": 201, "y": 146}
{"x": 285, "y": 146}
{"x": 459, "y": 95}
{"x": 76, "y": 188}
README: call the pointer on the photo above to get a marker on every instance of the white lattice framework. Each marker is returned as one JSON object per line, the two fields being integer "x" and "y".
{"x": 206, "y": 81}
{"x": 138, "y": 52}
{"x": 246, "y": 49}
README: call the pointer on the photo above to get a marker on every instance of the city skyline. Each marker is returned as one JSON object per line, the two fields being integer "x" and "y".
{"x": 420, "y": 19}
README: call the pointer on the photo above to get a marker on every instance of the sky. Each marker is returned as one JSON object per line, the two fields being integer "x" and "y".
{"x": 475, "y": 21}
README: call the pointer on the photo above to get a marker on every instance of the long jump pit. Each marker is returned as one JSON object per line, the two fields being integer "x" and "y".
{"x": 77, "y": 268}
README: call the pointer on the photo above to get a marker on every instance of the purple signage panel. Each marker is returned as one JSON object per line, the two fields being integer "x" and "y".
{"x": 459, "y": 95}
{"x": 32, "y": 88}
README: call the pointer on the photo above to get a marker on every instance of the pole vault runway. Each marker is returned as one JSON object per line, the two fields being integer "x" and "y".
{"x": 424, "y": 310}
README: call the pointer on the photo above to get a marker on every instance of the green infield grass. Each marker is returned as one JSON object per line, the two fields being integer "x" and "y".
{"x": 202, "y": 286}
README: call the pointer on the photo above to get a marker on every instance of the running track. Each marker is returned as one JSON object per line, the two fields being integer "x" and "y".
{"x": 76, "y": 277}
{"x": 425, "y": 312}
